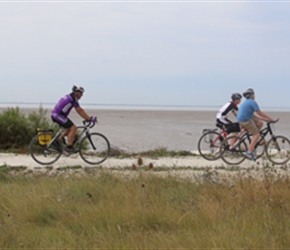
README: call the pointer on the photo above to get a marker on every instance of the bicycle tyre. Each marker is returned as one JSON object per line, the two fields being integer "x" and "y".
{"x": 94, "y": 148}
{"x": 278, "y": 150}
{"x": 209, "y": 145}
{"x": 235, "y": 156}
{"x": 41, "y": 153}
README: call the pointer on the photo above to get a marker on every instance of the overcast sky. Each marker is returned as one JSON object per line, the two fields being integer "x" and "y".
{"x": 145, "y": 52}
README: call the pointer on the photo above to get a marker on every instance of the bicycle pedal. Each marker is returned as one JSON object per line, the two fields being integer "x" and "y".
{"x": 65, "y": 153}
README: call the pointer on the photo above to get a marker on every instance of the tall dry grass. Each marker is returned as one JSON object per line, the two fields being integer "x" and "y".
{"x": 145, "y": 212}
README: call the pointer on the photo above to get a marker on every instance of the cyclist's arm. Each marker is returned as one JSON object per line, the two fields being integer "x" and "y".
{"x": 83, "y": 113}
{"x": 263, "y": 116}
{"x": 234, "y": 112}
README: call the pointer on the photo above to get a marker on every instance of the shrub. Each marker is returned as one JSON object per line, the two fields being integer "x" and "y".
{"x": 17, "y": 129}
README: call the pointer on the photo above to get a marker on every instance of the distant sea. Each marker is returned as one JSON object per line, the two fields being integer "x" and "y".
{"x": 130, "y": 106}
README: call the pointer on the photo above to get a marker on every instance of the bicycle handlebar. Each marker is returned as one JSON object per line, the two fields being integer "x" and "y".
{"x": 89, "y": 124}
{"x": 275, "y": 121}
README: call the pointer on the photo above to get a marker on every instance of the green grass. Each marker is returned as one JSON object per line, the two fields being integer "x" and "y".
{"x": 102, "y": 210}
{"x": 17, "y": 129}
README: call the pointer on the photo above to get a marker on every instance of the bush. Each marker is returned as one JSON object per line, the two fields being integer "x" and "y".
{"x": 17, "y": 129}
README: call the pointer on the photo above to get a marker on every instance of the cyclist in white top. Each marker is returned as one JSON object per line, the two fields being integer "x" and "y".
{"x": 222, "y": 115}
{"x": 225, "y": 110}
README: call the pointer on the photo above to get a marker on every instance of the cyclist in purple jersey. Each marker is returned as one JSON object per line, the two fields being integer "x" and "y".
{"x": 61, "y": 111}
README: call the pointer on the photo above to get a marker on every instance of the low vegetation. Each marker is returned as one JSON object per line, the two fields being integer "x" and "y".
{"x": 17, "y": 129}
{"x": 103, "y": 211}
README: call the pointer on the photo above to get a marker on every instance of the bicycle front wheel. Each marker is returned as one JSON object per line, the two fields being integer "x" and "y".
{"x": 235, "y": 155}
{"x": 209, "y": 145}
{"x": 44, "y": 152}
{"x": 278, "y": 149}
{"x": 94, "y": 148}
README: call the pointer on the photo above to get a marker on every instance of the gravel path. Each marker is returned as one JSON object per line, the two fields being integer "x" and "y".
{"x": 193, "y": 167}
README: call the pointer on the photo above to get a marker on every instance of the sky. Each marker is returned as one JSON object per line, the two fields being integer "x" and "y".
{"x": 146, "y": 52}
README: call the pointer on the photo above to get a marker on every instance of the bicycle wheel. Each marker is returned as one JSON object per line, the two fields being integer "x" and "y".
{"x": 42, "y": 152}
{"x": 209, "y": 145}
{"x": 236, "y": 155}
{"x": 278, "y": 149}
{"x": 94, "y": 148}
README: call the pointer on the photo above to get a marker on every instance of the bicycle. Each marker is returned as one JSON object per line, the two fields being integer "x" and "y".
{"x": 46, "y": 147}
{"x": 210, "y": 142}
{"x": 277, "y": 148}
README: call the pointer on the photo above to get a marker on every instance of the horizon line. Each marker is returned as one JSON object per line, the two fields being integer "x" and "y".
{"x": 135, "y": 105}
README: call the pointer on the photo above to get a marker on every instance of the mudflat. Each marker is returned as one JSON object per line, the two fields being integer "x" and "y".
{"x": 142, "y": 130}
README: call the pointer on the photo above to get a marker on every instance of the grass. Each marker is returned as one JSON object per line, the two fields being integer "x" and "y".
{"x": 102, "y": 210}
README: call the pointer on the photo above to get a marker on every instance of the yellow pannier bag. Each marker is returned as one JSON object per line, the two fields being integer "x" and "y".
{"x": 45, "y": 136}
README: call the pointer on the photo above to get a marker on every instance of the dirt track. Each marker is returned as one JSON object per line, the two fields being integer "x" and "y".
{"x": 192, "y": 167}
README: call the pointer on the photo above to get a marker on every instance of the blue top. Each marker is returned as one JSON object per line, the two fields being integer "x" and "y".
{"x": 246, "y": 110}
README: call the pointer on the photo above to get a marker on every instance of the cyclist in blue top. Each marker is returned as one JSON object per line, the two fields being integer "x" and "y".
{"x": 250, "y": 116}
{"x": 61, "y": 111}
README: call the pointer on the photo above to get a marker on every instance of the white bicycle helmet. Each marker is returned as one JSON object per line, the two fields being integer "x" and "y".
{"x": 78, "y": 89}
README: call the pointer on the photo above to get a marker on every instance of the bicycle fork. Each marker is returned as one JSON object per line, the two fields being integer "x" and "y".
{"x": 275, "y": 143}
{"x": 90, "y": 140}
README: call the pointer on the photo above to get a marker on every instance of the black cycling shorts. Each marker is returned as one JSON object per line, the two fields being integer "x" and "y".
{"x": 68, "y": 124}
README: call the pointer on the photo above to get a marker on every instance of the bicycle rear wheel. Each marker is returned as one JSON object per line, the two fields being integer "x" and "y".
{"x": 42, "y": 152}
{"x": 278, "y": 149}
{"x": 209, "y": 145}
{"x": 94, "y": 148}
{"x": 236, "y": 155}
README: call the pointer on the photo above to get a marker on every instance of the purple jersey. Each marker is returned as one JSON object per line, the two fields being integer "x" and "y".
{"x": 65, "y": 105}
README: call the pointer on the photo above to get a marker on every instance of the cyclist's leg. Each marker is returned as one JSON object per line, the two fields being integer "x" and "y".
{"x": 70, "y": 127}
{"x": 235, "y": 155}
{"x": 253, "y": 128}
{"x": 71, "y": 134}
{"x": 258, "y": 123}
{"x": 254, "y": 141}
{"x": 234, "y": 137}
